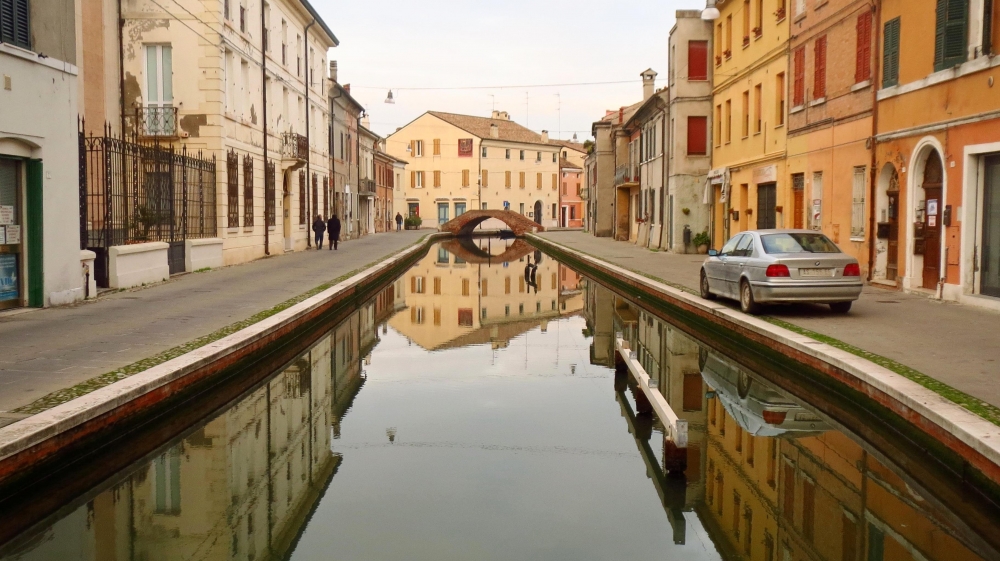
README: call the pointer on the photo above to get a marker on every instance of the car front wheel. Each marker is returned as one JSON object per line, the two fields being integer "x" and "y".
{"x": 841, "y": 307}
{"x": 706, "y": 293}
{"x": 747, "y": 302}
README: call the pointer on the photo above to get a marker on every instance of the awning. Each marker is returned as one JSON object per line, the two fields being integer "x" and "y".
{"x": 721, "y": 177}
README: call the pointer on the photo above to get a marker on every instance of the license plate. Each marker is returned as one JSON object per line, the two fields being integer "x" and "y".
{"x": 815, "y": 272}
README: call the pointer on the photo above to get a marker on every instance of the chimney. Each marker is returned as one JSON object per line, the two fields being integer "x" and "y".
{"x": 501, "y": 115}
{"x": 347, "y": 88}
{"x": 333, "y": 70}
{"x": 648, "y": 81}
{"x": 545, "y": 137}
{"x": 366, "y": 122}
{"x": 494, "y": 131}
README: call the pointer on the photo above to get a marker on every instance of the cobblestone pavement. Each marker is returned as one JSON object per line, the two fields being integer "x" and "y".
{"x": 51, "y": 349}
{"x": 958, "y": 345}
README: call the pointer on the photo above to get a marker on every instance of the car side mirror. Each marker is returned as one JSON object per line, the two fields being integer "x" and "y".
{"x": 713, "y": 253}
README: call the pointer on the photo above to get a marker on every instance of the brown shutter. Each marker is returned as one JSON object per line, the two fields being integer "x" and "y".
{"x": 413, "y": 180}
{"x": 538, "y": 181}
{"x": 555, "y": 181}
{"x": 413, "y": 285}
{"x": 506, "y": 179}
{"x": 862, "y": 65}
{"x": 522, "y": 180}
{"x": 799, "y": 77}
{"x": 819, "y": 70}
{"x": 486, "y": 178}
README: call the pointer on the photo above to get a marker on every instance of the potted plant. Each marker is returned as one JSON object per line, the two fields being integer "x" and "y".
{"x": 701, "y": 241}
{"x": 780, "y": 14}
{"x": 686, "y": 211}
{"x": 412, "y": 222}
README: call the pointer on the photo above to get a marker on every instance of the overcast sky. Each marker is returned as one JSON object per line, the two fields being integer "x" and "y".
{"x": 446, "y": 43}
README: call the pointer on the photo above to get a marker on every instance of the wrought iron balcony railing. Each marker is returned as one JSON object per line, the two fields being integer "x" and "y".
{"x": 366, "y": 187}
{"x": 294, "y": 145}
{"x": 156, "y": 122}
{"x": 626, "y": 174}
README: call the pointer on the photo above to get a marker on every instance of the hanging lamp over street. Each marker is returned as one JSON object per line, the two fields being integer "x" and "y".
{"x": 710, "y": 13}
{"x": 389, "y": 99}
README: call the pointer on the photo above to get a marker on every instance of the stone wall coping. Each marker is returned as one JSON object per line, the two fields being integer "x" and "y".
{"x": 204, "y": 241}
{"x": 139, "y": 248}
{"x": 979, "y": 434}
{"x": 87, "y": 255}
{"x": 38, "y": 428}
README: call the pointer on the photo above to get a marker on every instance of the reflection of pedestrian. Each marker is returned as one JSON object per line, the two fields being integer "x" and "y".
{"x": 530, "y": 270}
{"x": 333, "y": 230}
{"x": 319, "y": 227}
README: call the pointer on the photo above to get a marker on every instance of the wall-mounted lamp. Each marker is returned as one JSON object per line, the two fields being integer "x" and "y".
{"x": 710, "y": 13}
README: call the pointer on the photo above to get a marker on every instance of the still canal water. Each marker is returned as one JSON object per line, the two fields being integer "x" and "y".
{"x": 469, "y": 412}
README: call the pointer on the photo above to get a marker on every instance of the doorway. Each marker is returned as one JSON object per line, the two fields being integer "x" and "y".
{"x": 989, "y": 279}
{"x": 767, "y": 200}
{"x": 442, "y": 213}
{"x": 538, "y": 212}
{"x": 563, "y": 221}
{"x": 11, "y": 262}
{"x": 929, "y": 240}
{"x": 892, "y": 215}
{"x": 798, "y": 201}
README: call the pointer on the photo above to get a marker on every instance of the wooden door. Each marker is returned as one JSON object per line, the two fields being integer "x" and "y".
{"x": 892, "y": 255}
{"x": 767, "y": 195}
{"x": 799, "y": 209}
{"x": 933, "y": 209}
{"x": 990, "y": 254}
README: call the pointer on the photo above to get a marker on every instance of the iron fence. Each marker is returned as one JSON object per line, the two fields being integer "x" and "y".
{"x": 133, "y": 192}
{"x": 156, "y": 122}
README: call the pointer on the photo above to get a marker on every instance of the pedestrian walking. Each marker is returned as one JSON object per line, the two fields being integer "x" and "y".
{"x": 399, "y": 221}
{"x": 333, "y": 227}
{"x": 319, "y": 226}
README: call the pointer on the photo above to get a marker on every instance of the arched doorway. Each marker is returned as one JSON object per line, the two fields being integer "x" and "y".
{"x": 538, "y": 212}
{"x": 927, "y": 226}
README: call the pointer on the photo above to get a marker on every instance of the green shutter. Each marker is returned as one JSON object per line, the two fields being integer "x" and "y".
{"x": 890, "y": 54}
{"x": 34, "y": 240}
{"x": 988, "y": 27}
{"x": 950, "y": 33}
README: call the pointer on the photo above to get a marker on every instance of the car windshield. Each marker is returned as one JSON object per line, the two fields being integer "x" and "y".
{"x": 798, "y": 243}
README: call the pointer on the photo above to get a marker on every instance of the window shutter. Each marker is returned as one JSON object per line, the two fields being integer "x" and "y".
{"x": 538, "y": 181}
{"x": 486, "y": 178}
{"x": 988, "y": 27}
{"x": 413, "y": 287}
{"x": 949, "y": 37}
{"x": 819, "y": 70}
{"x": 522, "y": 180}
{"x": 555, "y": 181}
{"x": 506, "y": 179}
{"x": 799, "y": 93}
{"x": 697, "y": 132}
{"x": 890, "y": 57}
{"x": 862, "y": 66}
{"x": 15, "y": 23}
{"x": 697, "y": 60}
{"x": 413, "y": 179}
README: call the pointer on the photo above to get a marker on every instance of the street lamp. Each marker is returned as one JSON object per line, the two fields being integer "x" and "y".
{"x": 710, "y": 13}
{"x": 390, "y": 100}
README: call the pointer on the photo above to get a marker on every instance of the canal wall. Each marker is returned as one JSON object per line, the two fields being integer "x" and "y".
{"x": 914, "y": 422}
{"x": 42, "y": 442}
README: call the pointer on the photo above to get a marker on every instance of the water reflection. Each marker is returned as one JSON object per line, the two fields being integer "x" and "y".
{"x": 493, "y": 424}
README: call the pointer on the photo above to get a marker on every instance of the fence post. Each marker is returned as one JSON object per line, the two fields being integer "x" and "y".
{"x": 184, "y": 192}
{"x": 82, "y": 155}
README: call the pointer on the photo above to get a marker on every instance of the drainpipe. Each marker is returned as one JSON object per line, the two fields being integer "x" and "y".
{"x": 305, "y": 54}
{"x": 333, "y": 154}
{"x": 665, "y": 165}
{"x": 121, "y": 69}
{"x": 873, "y": 187}
{"x": 357, "y": 189}
{"x": 263, "y": 88}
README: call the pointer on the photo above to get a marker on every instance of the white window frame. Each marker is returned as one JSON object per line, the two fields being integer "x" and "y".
{"x": 858, "y": 204}
{"x": 418, "y": 148}
{"x": 156, "y": 94}
{"x": 419, "y": 179}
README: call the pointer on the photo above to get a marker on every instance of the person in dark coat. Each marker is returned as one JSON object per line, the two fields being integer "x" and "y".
{"x": 399, "y": 221}
{"x": 319, "y": 226}
{"x": 333, "y": 227}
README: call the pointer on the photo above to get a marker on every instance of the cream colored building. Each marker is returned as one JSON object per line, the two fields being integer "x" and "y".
{"x": 461, "y": 162}
{"x": 195, "y": 74}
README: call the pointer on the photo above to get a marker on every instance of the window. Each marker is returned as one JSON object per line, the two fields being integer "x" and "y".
{"x": 284, "y": 41}
{"x": 697, "y": 141}
{"x": 890, "y": 54}
{"x": 554, "y": 212}
{"x": 554, "y": 156}
{"x": 437, "y": 178}
{"x": 506, "y": 179}
{"x": 437, "y": 147}
{"x": 484, "y": 291}
{"x": 417, "y": 315}
{"x": 465, "y": 287}
{"x": 160, "y": 117}
{"x": 248, "y": 190}
{"x": 486, "y": 178}
{"x": 522, "y": 214}
{"x": 538, "y": 181}
{"x": 522, "y": 155}
{"x": 799, "y": 77}
{"x": 522, "y": 182}
{"x": 167, "y": 474}
{"x": 417, "y": 179}
{"x": 484, "y": 151}
{"x": 15, "y": 27}
{"x": 746, "y": 23}
{"x": 858, "y": 208}
{"x": 729, "y": 36}
{"x": 989, "y": 31}
{"x": 849, "y": 534}
{"x": 808, "y": 509}
{"x": 729, "y": 121}
{"x": 746, "y": 113}
{"x": 800, "y": 8}
{"x": 950, "y": 33}
{"x": 819, "y": 69}
{"x": 233, "y": 192}
{"x": 789, "y": 489}
{"x": 555, "y": 181}
{"x": 718, "y": 125}
{"x": 718, "y": 43}
{"x": 736, "y": 515}
{"x": 418, "y": 148}
{"x": 780, "y": 95}
{"x": 756, "y": 108}
{"x": 298, "y": 55}
{"x": 243, "y": 18}
{"x": 863, "y": 62}
{"x": 443, "y": 259}
{"x": 538, "y": 157}
{"x": 225, "y": 10}
{"x": 759, "y": 17}
{"x": 506, "y": 153}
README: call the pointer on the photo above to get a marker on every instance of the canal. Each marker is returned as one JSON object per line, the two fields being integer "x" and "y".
{"x": 472, "y": 410}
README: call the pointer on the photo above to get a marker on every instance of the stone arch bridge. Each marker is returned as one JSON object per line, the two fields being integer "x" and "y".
{"x": 470, "y": 252}
{"x": 465, "y": 224}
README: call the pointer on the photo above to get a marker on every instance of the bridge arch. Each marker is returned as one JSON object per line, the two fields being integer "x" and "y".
{"x": 465, "y": 224}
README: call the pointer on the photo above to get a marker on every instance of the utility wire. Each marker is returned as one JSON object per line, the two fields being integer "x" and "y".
{"x": 441, "y": 88}
{"x": 182, "y": 22}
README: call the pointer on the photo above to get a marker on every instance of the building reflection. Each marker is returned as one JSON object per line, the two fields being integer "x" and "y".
{"x": 778, "y": 483}
{"x": 458, "y": 296}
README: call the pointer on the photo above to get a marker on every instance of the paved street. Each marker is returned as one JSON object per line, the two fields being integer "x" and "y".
{"x": 51, "y": 349}
{"x": 952, "y": 343}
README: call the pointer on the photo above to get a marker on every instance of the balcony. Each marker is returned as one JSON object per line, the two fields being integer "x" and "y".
{"x": 625, "y": 175}
{"x": 156, "y": 122}
{"x": 366, "y": 188}
{"x": 294, "y": 146}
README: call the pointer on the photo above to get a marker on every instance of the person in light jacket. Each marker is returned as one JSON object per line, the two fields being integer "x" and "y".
{"x": 319, "y": 226}
{"x": 333, "y": 227}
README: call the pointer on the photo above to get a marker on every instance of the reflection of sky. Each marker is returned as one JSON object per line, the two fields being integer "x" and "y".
{"x": 498, "y": 455}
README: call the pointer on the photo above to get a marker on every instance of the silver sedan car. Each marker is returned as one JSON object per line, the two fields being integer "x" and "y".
{"x": 781, "y": 266}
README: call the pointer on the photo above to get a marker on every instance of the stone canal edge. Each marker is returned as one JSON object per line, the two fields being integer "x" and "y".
{"x": 967, "y": 435}
{"x": 45, "y": 435}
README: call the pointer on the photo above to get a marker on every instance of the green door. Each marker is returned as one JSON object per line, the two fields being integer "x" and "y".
{"x": 11, "y": 240}
{"x": 990, "y": 260}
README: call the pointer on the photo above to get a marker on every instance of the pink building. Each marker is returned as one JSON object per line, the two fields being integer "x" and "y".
{"x": 570, "y": 202}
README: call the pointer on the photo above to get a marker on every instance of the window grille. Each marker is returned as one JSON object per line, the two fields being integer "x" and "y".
{"x": 302, "y": 197}
{"x": 858, "y": 207}
{"x": 247, "y": 190}
{"x": 269, "y": 198}
{"x": 315, "y": 195}
{"x": 233, "y": 188}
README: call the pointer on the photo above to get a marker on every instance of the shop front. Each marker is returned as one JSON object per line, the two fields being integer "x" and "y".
{"x": 20, "y": 273}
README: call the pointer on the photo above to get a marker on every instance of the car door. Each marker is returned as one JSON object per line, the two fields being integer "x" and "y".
{"x": 716, "y": 269}
{"x": 737, "y": 262}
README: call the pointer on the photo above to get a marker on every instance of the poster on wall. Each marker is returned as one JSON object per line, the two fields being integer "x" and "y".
{"x": 465, "y": 147}
{"x": 6, "y": 214}
{"x": 8, "y": 277}
{"x": 932, "y": 207}
{"x": 3, "y": 235}
{"x": 13, "y": 234}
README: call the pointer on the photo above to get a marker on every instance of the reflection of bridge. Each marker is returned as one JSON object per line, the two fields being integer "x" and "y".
{"x": 464, "y": 224}
{"x": 467, "y": 249}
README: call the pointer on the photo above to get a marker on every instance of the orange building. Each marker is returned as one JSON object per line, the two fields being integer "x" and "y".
{"x": 570, "y": 201}
{"x": 937, "y": 190}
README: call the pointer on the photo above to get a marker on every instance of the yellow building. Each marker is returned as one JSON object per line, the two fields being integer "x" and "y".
{"x": 461, "y": 162}
{"x": 750, "y": 111}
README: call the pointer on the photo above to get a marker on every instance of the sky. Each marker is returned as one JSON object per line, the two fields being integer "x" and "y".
{"x": 447, "y": 44}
